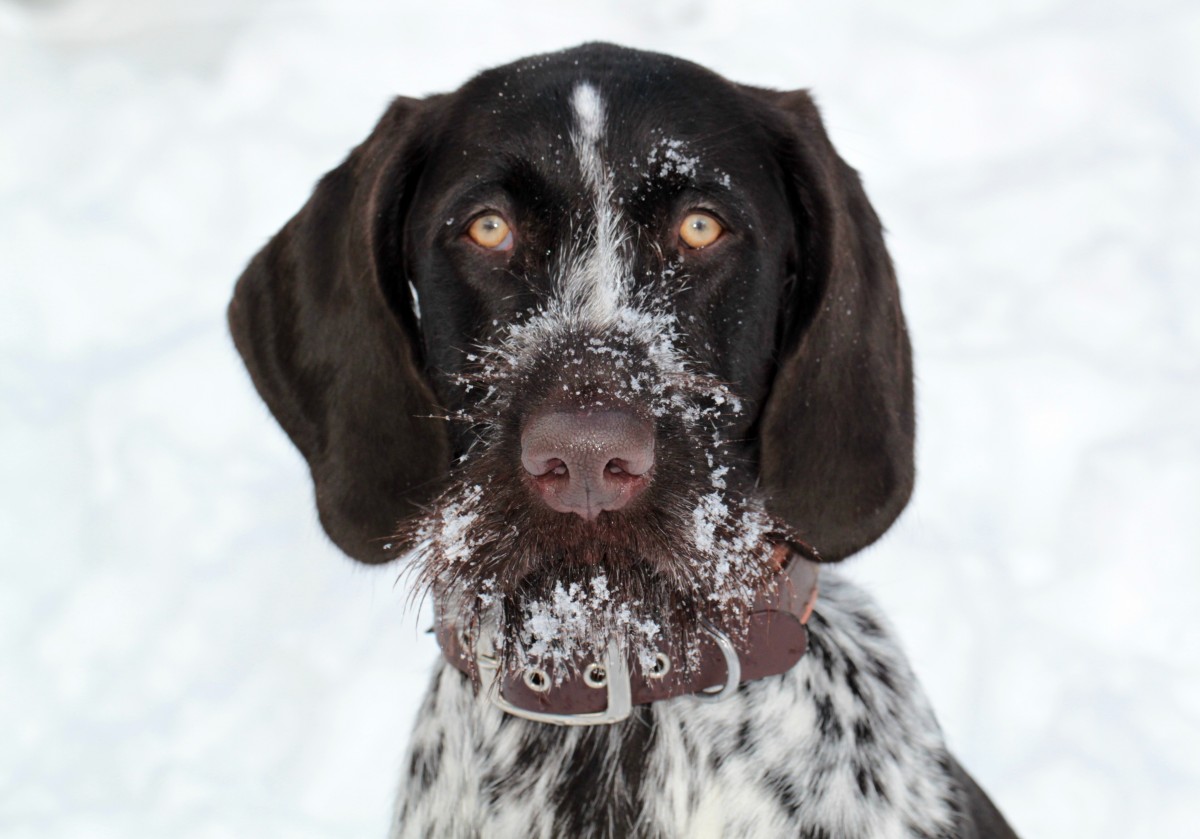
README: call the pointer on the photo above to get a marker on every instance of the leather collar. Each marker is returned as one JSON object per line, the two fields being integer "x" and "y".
{"x": 774, "y": 640}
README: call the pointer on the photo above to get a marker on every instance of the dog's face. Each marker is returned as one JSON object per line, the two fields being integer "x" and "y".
{"x": 595, "y": 334}
{"x": 613, "y": 253}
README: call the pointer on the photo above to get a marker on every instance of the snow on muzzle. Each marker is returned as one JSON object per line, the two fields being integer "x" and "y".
{"x": 598, "y": 497}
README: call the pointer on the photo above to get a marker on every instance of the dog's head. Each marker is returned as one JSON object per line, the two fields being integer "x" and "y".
{"x": 592, "y": 334}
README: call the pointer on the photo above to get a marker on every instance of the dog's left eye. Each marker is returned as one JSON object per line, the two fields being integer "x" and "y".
{"x": 491, "y": 231}
{"x": 699, "y": 230}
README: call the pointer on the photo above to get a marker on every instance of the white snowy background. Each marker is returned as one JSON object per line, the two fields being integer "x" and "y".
{"x": 183, "y": 653}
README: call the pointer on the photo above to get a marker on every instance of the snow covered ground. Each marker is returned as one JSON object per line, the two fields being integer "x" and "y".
{"x": 183, "y": 654}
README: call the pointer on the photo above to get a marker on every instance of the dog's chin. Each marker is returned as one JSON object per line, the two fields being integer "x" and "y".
{"x": 553, "y": 589}
{"x": 560, "y": 616}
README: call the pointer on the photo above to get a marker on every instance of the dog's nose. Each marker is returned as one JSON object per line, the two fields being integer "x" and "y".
{"x": 586, "y": 463}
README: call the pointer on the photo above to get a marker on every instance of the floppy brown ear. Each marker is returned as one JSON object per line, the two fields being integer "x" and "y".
{"x": 322, "y": 320}
{"x": 837, "y": 429}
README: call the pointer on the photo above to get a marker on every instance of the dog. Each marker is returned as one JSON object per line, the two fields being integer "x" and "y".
{"x": 612, "y": 350}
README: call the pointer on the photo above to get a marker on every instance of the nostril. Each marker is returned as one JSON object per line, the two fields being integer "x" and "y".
{"x": 623, "y": 468}
{"x": 543, "y": 467}
{"x": 634, "y": 462}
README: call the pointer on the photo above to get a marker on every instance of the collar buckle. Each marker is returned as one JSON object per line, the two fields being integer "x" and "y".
{"x": 620, "y": 693}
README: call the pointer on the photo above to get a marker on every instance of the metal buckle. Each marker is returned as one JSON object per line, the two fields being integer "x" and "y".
{"x": 733, "y": 668}
{"x": 620, "y": 695}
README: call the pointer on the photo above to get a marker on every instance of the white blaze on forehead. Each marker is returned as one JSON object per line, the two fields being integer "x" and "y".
{"x": 589, "y": 117}
{"x": 593, "y": 283}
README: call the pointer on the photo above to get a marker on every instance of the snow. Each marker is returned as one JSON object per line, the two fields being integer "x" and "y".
{"x": 186, "y": 655}
{"x": 670, "y": 157}
{"x": 576, "y": 621}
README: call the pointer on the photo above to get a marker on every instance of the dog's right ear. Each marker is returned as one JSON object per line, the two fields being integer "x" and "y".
{"x": 323, "y": 320}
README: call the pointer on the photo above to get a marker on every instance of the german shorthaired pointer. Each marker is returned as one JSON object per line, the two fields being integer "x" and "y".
{"x": 612, "y": 350}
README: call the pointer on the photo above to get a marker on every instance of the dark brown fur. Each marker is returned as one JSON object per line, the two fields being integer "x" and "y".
{"x": 792, "y": 397}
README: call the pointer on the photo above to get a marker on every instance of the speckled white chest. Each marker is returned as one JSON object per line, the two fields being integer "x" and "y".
{"x": 843, "y": 745}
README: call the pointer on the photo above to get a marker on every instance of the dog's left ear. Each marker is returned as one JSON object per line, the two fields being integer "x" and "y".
{"x": 323, "y": 319}
{"x": 837, "y": 429}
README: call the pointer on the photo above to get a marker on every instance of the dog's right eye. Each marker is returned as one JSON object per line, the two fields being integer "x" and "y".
{"x": 699, "y": 230}
{"x": 491, "y": 231}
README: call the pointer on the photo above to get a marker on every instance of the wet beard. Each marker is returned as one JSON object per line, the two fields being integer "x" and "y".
{"x": 553, "y": 588}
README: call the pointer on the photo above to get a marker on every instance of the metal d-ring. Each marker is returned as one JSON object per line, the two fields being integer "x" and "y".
{"x": 733, "y": 667}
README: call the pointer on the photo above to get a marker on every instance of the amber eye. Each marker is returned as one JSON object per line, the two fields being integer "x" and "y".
{"x": 491, "y": 231}
{"x": 699, "y": 230}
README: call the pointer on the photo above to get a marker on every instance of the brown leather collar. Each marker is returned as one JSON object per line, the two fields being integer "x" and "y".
{"x": 773, "y": 642}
